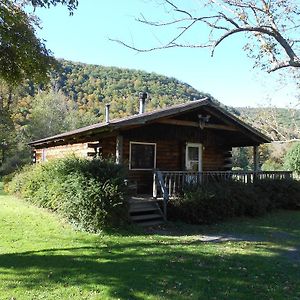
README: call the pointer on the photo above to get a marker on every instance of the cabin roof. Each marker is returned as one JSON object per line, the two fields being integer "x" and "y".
{"x": 144, "y": 118}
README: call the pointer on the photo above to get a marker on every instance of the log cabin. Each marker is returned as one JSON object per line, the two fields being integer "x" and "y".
{"x": 164, "y": 148}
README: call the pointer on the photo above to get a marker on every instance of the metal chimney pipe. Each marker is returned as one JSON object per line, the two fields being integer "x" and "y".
{"x": 107, "y": 113}
{"x": 142, "y": 96}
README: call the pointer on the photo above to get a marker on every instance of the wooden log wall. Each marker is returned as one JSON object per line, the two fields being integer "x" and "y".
{"x": 107, "y": 150}
{"x": 170, "y": 156}
{"x": 80, "y": 150}
{"x": 108, "y": 147}
{"x": 214, "y": 158}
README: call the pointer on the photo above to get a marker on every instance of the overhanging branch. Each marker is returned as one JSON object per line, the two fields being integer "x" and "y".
{"x": 229, "y": 17}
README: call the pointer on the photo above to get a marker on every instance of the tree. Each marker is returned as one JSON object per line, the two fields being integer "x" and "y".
{"x": 71, "y": 4}
{"x": 280, "y": 124}
{"x": 6, "y": 133}
{"x": 22, "y": 54}
{"x": 292, "y": 158}
{"x": 47, "y": 116}
{"x": 242, "y": 158}
{"x": 270, "y": 26}
{"x": 274, "y": 155}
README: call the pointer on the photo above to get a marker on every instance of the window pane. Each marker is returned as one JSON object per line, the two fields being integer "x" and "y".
{"x": 142, "y": 156}
{"x": 194, "y": 166}
{"x": 193, "y": 153}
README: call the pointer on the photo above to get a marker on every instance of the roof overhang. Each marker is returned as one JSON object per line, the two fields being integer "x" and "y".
{"x": 148, "y": 117}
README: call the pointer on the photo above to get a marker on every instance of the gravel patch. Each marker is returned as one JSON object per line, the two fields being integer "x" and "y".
{"x": 230, "y": 238}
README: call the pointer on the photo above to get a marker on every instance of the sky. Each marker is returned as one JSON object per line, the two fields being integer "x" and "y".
{"x": 228, "y": 76}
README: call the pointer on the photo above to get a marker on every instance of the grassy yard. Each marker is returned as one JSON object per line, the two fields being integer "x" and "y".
{"x": 41, "y": 257}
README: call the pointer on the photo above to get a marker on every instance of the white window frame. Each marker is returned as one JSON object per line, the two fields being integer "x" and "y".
{"x": 200, "y": 147}
{"x": 142, "y": 143}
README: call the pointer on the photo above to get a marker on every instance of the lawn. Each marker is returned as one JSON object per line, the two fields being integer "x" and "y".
{"x": 42, "y": 257}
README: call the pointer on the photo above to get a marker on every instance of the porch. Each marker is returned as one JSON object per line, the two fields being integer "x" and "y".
{"x": 171, "y": 183}
{"x": 147, "y": 210}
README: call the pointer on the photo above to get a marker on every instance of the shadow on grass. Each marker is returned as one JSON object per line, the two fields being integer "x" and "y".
{"x": 283, "y": 225}
{"x": 165, "y": 267}
{"x": 154, "y": 268}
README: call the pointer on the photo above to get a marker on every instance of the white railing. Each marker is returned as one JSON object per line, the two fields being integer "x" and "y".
{"x": 170, "y": 183}
{"x": 159, "y": 187}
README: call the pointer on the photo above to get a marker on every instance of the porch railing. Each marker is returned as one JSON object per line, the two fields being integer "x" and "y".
{"x": 159, "y": 187}
{"x": 170, "y": 183}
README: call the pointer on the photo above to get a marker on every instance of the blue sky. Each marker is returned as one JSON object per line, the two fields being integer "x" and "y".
{"x": 228, "y": 76}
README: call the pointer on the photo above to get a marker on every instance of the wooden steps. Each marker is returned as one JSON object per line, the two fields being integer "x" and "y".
{"x": 145, "y": 217}
{"x": 145, "y": 211}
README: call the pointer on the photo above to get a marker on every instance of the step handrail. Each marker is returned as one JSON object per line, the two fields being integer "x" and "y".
{"x": 159, "y": 181}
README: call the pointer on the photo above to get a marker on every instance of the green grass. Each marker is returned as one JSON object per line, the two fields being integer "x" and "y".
{"x": 41, "y": 257}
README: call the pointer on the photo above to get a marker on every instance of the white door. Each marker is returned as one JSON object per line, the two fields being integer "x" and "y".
{"x": 193, "y": 157}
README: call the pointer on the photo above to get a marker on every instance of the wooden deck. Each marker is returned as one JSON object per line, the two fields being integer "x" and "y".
{"x": 175, "y": 181}
{"x": 150, "y": 210}
{"x": 167, "y": 184}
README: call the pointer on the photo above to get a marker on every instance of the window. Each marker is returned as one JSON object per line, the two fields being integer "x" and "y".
{"x": 142, "y": 156}
{"x": 193, "y": 157}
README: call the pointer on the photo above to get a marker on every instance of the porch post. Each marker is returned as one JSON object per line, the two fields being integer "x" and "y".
{"x": 255, "y": 159}
{"x": 119, "y": 149}
{"x": 255, "y": 162}
{"x": 154, "y": 186}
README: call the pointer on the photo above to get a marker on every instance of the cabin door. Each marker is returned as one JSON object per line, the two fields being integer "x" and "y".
{"x": 193, "y": 157}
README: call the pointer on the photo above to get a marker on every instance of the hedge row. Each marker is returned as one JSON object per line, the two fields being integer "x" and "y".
{"x": 89, "y": 193}
{"x": 216, "y": 202}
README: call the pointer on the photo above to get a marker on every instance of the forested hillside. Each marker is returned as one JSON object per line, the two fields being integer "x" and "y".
{"x": 76, "y": 96}
{"x": 283, "y": 114}
{"x": 90, "y": 85}
{"x": 84, "y": 90}
{"x": 278, "y": 123}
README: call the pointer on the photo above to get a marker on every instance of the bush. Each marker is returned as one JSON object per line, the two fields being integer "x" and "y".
{"x": 92, "y": 204}
{"x": 270, "y": 165}
{"x": 215, "y": 202}
{"x": 292, "y": 158}
{"x": 89, "y": 193}
{"x": 283, "y": 194}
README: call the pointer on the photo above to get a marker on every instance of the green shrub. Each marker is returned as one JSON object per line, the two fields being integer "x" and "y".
{"x": 281, "y": 193}
{"x": 215, "y": 202}
{"x": 292, "y": 158}
{"x": 93, "y": 204}
{"x": 270, "y": 165}
{"x": 90, "y": 193}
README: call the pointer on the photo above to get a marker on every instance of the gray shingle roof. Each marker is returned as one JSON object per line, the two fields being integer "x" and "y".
{"x": 141, "y": 119}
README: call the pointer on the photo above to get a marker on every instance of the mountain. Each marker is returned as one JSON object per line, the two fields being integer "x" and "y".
{"x": 91, "y": 86}
{"x": 87, "y": 88}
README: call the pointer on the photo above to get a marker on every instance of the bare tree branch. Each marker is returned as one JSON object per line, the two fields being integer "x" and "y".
{"x": 179, "y": 10}
{"x": 169, "y": 45}
{"x": 266, "y": 22}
